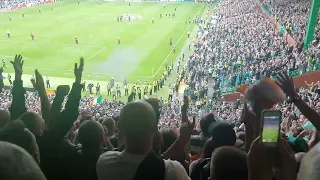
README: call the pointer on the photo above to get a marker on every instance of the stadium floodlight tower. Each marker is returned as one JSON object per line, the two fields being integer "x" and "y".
{"x": 313, "y": 18}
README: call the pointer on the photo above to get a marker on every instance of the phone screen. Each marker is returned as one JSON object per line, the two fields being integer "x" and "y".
{"x": 271, "y": 125}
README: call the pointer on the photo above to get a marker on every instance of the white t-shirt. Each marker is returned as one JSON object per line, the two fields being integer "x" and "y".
{"x": 114, "y": 165}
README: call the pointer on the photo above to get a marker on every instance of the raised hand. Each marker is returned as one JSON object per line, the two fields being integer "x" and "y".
{"x": 78, "y": 70}
{"x": 187, "y": 128}
{"x": 38, "y": 82}
{"x": 184, "y": 109}
{"x": 17, "y": 65}
{"x": 258, "y": 163}
{"x": 63, "y": 90}
{"x": 248, "y": 117}
{"x": 286, "y": 84}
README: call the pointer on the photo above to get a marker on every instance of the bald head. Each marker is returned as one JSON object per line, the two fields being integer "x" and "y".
{"x": 138, "y": 124}
{"x": 33, "y": 122}
{"x": 16, "y": 163}
{"x": 4, "y": 117}
{"x": 137, "y": 117}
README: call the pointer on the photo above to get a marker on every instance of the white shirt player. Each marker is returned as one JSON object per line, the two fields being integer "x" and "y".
{"x": 8, "y": 32}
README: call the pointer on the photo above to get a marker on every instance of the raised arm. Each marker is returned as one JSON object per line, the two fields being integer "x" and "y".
{"x": 70, "y": 114}
{"x": 287, "y": 86}
{"x": 38, "y": 85}
{"x": 176, "y": 150}
{"x": 249, "y": 120}
{"x": 308, "y": 84}
{"x": 56, "y": 107}
{"x": 17, "y": 107}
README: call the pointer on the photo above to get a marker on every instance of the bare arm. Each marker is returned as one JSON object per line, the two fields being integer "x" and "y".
{"x": 38, "y": 84}
{"x": 286, "y": 84}
{"x": 17, "y": 107}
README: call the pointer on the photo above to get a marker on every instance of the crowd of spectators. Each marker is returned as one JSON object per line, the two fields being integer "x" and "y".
{"x": 293, "y": 13}
{"x": 9, "y": 4}
{"x": 114, "y": 140}
{"x": 63, "y": 136}
{"x": 242, "y": 47}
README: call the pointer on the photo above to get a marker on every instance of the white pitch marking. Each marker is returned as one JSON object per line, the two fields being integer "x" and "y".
{"x": 165, "y": 60}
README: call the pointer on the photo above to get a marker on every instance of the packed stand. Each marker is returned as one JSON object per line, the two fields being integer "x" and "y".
{"x": 241, "y": 48}
{"x": 9, "y": 4}
{"x": 292, "y": 14}
{"x": 138, "y": 143}
{"x": 62, "y": 136}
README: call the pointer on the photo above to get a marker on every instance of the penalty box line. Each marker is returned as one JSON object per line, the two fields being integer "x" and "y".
{"x": 165, "y": 60}
{"x": 104, "y": 48}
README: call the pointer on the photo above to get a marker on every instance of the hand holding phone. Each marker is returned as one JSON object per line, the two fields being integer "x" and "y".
{"x": 270, "y": 127}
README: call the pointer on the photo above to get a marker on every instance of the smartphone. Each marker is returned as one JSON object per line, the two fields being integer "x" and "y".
{"x": 270, "y": 127}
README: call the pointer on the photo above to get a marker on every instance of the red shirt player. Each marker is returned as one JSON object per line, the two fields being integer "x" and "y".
{"x": 118, "y": 40}
{"x": 22, "y": 14}
{"x": 76, "y": 38}
{"x": 171, "y": 41}
{"x": 32, "y": 36}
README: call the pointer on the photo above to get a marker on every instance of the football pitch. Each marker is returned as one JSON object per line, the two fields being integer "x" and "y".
{"x": 142, "y": 54}
{"x": 270, "y": 135}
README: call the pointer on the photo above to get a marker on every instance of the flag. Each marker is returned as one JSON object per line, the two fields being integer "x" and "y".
{"x": 97, "y": 100}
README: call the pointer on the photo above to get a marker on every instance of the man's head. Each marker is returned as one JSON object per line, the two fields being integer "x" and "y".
{"x": 91, "y": 134}
{"x": 228, "y": 163}
{"x": 33, "y": 122}
{"x": 137, "y": 126}
{"x": 4, "y": 117}
{"x": 206, "y": 124}
{"x": 110, "y": 125}
{"x": 169, "y": 137}
{"x": 16, "y": 164}
{"x": 157, "y": 142}
{"x": 155, "y": 104}
{"x": 16, "y": 133}
{"x": 223, "y": 135}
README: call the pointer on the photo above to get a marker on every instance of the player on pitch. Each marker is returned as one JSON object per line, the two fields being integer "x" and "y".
{"x": 76, "y": 39}
{"x": 118, "y": 40}
{"x": 32, "y": 36}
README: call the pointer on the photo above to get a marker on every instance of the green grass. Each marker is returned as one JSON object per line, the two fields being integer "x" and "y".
{"x": 144, "y": 46}
{"x": 270, "y": 134}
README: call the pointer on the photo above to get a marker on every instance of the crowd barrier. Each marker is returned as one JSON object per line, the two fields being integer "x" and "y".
{"x": 299, "y": 81}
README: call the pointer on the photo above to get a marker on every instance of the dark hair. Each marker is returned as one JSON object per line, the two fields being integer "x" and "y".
{"x": 169, "y": 136}
{"x": 209, "y": 147}
{"x": 155, "y": 104}
{"x": 110, "y": 124}
{"x": 90, "y": 134}
{"x": 223, "y": 134}
{"x": 16, "y": 133}
{"x": 229, "y": 163}
{"x": 205, "y": 123}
